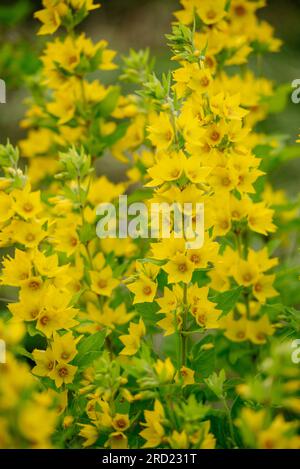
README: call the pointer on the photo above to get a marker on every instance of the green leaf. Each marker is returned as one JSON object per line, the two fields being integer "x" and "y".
{"x": 87, "y": 232}
{"x": 15, "y": 13}
{"x": 226, "y": 301}
{"x": 278, "y": 101}
{"x": 203, "y": 361}
{"x": 216, "y": 383}
{"x": 23, "y": 352}
{"x": 32, "y": 330}
{"x": 89, "y": 349}
{"x": 108, "y": 104}
{"x": 147, "y": 309}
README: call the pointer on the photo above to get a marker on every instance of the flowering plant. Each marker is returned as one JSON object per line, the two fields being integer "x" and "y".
{"x": 129, "y": 343}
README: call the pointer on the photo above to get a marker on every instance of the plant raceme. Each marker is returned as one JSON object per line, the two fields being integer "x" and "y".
{"x": 137, "y": 342}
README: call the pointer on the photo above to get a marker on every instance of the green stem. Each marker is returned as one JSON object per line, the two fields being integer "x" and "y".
{"x": 184, "y": 336}
{"x": 230, "y": 423}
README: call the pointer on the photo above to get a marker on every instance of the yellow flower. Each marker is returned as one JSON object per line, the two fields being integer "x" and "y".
{"x": 27, "y": 204}
{"x": 261, "y": 433}
{"x": 171, "y": 322}
{"x": 121, "y": 422}
{"x": 37, "y": 424}
{"x": 170, "y": 299}
{"x": 90, "y": 433}
{"x": 64, "y": 347}
{"x": 179, "y": 440}
{"x": 187, "y": 375}
{"x": 103, "y": 282}
{"x": 63, "y": 373}
{"x": 260, "y": 218}
{"x": 6, "y": 207}
{"x": 202, "y": 257}
{"x": 47, "y": 265}
{"x": 28, "y": 309}
{"x": 211, "y": 11}
{"x": 179, "y": 269}
{"x": 63, "y": 107}
{"x": 66, "y": 240}
{"x": 263, "y": 288}
{"x": 236, "y": 330}
{"x": 246, "y": 273}
{"x": 108, "y": 317}
{"x": 30, "y": 233}
{"x": 161, "y": 132}
{"x": 17, "y": 269}
{"x": 168, "y": 168}
{"x": 154, "y": 431}
{"x": 33, "y": 286}
{"x": 223, "y": 179}
{"x": 56, "y": 313}
{"x": 68, "y": 421}
{"x": 196, "y": 172}
{"x": 259, "y": 330}
{"x": 51, "y": 18}
{"x": 200, "y": 80}
{"x": 203, "y": 310}
{"x": 144, "y": 290}
{"x": 167, "y": 248}
{"x": 164, "y": 370}
{"x": 215, "y": 134}
{"x": 132, "y": 341}
{"x": 45, "y": 362}
{"x": 117, "y": 440}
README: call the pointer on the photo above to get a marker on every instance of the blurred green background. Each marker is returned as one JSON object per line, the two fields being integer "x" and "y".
{"x": 140, "y": 24}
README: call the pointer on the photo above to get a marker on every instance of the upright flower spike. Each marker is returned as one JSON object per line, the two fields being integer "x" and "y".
{"x": 74, "y": 109}
{"x": 133, "y": 342}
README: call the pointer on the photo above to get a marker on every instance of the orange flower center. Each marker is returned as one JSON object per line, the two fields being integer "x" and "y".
{"x": 240, "y": 10}
{"x": 195, "y": 258}
{"x": 211, "y": 14}
{"x": 147, "y": 290}
{"x": 63, "y": 372}
{"x": 73, "y": 241}
{"x": 226, "y": 181}
{"x": 121, "y": 423}
{"x": 34, "y": 285}
{"x": 102, "y": 283}
{"x": 30, "y": 237}
{"x": 260, "y": 336}
{"x": 182, "y": 267}
{"x": 247, "y": 277}
{"x": 44, "y": 320}
{"x": 215, "y": 136}
{"x": 224, "y": 224}
{"x": 204, "y": 81}
{"x": 28, "y": 207}
{"x": 175, "y": 173}
{"x": 34, "y": 313}
{"x": 241, "y": 335}
{"x": 201, "y": 318}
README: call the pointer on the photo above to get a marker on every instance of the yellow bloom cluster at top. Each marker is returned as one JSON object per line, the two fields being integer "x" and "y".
{"x": 134, "y": 342}
{"x": 61, "y": 12}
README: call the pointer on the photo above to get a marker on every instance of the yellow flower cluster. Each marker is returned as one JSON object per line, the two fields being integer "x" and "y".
{"x": 131, "y": 343}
